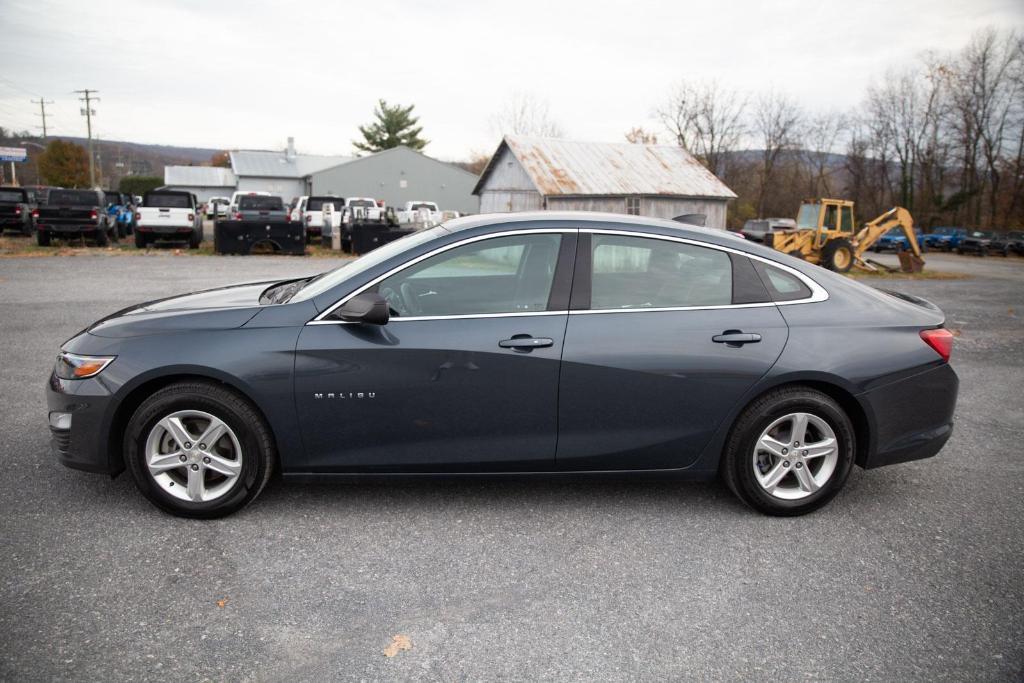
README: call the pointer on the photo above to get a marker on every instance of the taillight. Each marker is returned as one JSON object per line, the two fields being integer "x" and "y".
{"x": 35, "y": 213}
{"x": 191, "y": 216}
{"x": 93, "y": 215}
{"x": 939, "y": 339}
{"x": 17, "y": 211}
{"x": 138, "y": 215}
{"x": 287, "y": 218}
{"x": 309, "y": 219}
{"x": 238, "y": 216}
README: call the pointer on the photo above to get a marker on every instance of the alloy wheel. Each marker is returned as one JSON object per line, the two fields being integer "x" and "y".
{"x": 193, "y": 456}
{"x": 795, "y": 456}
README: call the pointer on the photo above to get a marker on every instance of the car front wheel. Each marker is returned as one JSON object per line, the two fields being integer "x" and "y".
{"x": 198, "y": 450}
{"x": 789, "y": 452}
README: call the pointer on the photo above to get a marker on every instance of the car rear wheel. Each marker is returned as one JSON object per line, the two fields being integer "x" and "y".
{"x": 42, "y": 238}
{"x": 140, "y": 240}
{"x": 198, "y": 450}
{"x": 789, "y": 452}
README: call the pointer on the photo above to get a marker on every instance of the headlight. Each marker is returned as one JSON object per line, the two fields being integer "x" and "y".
{"x": 73, "y": 366}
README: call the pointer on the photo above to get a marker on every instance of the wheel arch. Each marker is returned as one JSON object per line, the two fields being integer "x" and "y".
{"x": 833, "y": 387}
{"x": 140, "y": 390}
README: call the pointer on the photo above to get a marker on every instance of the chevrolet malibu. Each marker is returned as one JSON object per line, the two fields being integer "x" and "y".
{"x": 546, "y": 343}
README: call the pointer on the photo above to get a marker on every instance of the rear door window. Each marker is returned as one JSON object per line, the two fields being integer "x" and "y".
{"x": 639, "y": 273}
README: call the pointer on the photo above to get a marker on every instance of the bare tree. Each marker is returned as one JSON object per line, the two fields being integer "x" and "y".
{"x": 777, "y": 120}
{"x": 706, "y": 121}
{"x": 637, "y": 135}
{"x": 821, "y": 135}
{"x": 525, "y": 114}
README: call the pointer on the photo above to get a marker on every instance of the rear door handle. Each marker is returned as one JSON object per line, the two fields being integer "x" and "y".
{"x": 736, "y": 338}
{"x": 525, "y": 342}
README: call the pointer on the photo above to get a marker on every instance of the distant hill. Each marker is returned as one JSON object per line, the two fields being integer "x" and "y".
{"x": 174, "y": 155}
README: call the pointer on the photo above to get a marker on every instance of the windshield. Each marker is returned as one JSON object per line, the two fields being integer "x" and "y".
{"x": 112, "y": 197}
{"x": 167, "y": 200}
{"x": 808, "y": 217}
{"x": 423, "y": 205}
{"x": 260, "y": 204}
{"x": 363, "y": 203}
{"x": 12, "y": 196}
{"x": 79, "y": 197}
{"x": 379, "y": 255}
{"x": 317, "y": 203}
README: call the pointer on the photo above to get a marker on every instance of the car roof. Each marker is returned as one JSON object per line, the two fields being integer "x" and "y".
{"x": 512, "y": 221}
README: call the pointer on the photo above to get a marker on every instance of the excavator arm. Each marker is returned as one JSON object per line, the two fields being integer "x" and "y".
{"x": 896, "y": 217}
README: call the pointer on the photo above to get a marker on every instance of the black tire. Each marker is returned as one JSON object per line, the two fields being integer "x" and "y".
{"x": 140, "y": 240}
{"x": 837, "y": 255}
{"x": 122, "y": 230}
{"x": 102, "y": 239}
{"x": 253, "y": 434}
{"x": 42, "y": 238}
{"x": 737, "y": 465}
{"x": 194, "y": 240}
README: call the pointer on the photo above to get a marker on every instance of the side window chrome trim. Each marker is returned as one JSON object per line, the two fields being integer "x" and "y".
{"x": 818, "y": 293}
{"x": 465, "y": 316}
{"x": 319, "y": 320}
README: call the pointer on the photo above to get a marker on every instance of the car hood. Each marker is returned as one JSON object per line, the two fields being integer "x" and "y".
{"x": 222, "y": 308}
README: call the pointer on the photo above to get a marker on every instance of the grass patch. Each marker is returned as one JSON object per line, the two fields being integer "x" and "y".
{"x": 923, "y": 275}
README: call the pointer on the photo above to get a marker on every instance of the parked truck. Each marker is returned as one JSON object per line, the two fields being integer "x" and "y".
{"x": 421, "y": 213}
{"x": 168, "y": 215}
{"x": 74, "y": 213}
{"x": 15, "y": 210}
{"x": 312, "y": 216}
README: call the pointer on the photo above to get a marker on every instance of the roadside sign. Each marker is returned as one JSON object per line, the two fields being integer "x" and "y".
{"x": 13, "y": 154}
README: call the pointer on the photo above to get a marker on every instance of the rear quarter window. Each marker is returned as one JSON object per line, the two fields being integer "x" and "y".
{"x": 782, "y": 285}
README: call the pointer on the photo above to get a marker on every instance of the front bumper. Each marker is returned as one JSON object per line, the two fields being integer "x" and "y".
{"x": 913, "y": 417}
{"x": 84, "y": 446}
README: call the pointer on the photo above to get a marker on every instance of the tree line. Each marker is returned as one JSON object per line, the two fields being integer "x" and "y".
{"x": 943, "y": 137}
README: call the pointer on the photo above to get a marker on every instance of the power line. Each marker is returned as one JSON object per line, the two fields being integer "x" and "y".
{"x": 42, "y": 102}
{"x": 88, "y": 96}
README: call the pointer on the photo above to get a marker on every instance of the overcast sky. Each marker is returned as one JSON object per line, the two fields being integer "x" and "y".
{"x": 250, "y": 74}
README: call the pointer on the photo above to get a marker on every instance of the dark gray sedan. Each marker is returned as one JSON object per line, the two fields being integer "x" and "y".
{"x": 546, "y": 343}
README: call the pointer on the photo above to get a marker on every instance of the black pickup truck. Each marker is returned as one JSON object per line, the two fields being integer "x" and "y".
{"x": 74, "y": 213}
{"x": 15, "y": 210}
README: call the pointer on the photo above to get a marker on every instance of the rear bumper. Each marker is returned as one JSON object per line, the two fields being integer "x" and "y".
{"x": 165, "y": 229}
{"x": 85, "y": 445}
{"x": 67, "y": 228}
{"x": 913, "y": 417}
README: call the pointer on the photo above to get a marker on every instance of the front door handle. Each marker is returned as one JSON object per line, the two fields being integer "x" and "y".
{"x": 736, "y": 338}
{"x": 524, "y": 342}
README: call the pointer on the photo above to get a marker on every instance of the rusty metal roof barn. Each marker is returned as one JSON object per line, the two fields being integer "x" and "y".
{"x": 663, "y": 181}
{"x": 566, "y": 167}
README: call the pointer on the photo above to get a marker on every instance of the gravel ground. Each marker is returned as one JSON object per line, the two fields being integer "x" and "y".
{"x": 913, "y": 572}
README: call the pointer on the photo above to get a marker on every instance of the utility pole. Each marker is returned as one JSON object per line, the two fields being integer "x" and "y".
{"x": 42, "y": 102}
{"x": 89, "y": 96}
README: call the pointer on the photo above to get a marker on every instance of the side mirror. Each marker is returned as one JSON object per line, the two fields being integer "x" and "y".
{"x": 369, "y": 307}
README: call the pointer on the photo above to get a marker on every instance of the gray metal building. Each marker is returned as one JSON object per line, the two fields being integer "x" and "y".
{"x": 285, "y": 173}
{"x": 663, "y": 181}
{"x": 399, "y": 175}
{"x": 202, "y": 181}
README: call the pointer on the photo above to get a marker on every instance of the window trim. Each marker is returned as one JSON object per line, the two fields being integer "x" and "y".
{"x": 818, "y": 293}
{"x": 566, "y": 232}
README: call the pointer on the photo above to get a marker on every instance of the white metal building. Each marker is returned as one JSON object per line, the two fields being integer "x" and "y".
{"x": 399, "y": 175}
{"x": 202, "y": 181}
{"x": 663, "y": 181}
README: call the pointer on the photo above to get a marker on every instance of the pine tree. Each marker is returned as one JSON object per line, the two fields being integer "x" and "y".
{"x": 395, "y": 125}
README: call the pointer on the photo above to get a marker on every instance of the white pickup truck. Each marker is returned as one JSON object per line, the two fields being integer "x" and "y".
{"x": 363, "y": 209}
{"x": 312, "y": 215}
{"x": 168, "y": 215}
{"x": 420, "y": 212}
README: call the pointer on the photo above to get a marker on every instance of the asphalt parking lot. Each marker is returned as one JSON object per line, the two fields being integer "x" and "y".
{"x": 913, "y": 572}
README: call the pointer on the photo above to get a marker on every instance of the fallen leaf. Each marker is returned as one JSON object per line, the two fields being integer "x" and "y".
{"x": 222, "y": 602}
{"x": 398, "y": 643}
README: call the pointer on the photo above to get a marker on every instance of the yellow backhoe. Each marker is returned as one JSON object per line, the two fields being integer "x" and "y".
{"x": 825, "y": 234}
